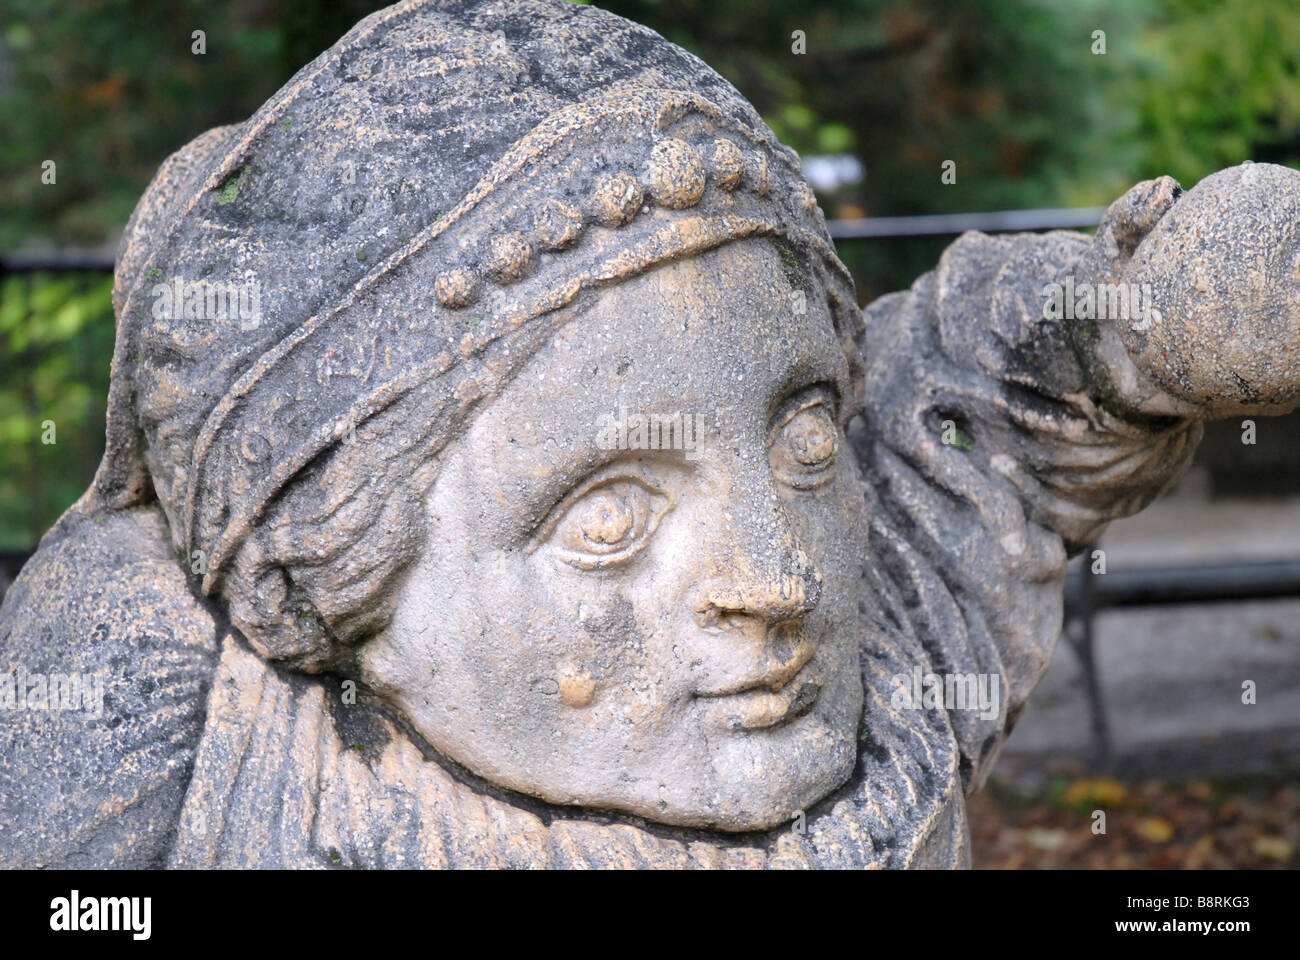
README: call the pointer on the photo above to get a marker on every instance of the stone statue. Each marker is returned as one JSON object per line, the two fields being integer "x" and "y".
{"x": 500, "y": 472}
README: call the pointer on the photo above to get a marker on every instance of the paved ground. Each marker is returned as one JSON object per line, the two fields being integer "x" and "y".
{"x": 1172, "y": 677}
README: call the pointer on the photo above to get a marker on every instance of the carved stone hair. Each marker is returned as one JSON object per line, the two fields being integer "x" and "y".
{"x": 418, "y": 210}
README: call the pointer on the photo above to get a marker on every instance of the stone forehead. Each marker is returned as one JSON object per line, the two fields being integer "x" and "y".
{"x": 374, "y": 162}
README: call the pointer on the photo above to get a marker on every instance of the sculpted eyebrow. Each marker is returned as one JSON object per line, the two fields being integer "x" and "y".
{"x": 810, "y": 370}
{"x": 570, "y": 466}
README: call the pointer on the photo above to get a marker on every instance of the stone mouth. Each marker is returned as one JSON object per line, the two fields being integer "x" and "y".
{"x": 764, "y": 710}
{"x": 773, "y": 699}
{"x": 777, "y": 675}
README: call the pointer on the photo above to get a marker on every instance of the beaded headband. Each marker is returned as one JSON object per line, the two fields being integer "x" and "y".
{"x": 563, "y": 211}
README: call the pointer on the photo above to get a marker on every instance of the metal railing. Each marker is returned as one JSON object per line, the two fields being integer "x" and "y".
{"x": 942, "y": 224}
{"x": 1088, "y": 594}
{"x": 928, "y": 225}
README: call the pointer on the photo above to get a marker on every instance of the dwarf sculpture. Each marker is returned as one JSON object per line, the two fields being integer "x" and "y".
{"x": 366, "y": 582}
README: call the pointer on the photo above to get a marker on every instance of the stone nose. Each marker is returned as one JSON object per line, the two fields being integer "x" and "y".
{"x": 760, "y": 589}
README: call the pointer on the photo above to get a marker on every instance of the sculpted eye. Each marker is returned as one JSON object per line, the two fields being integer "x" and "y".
{"x": 606, "y": 523}
{"x": 804, "y": 444}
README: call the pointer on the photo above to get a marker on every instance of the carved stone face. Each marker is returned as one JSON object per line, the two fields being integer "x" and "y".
{"x": 672, "y": 633}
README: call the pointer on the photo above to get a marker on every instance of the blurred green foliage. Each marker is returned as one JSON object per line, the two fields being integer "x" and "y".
{"x": 56, "y": 337}
{"x": 1011, "y": 90}
{"x": 108, "y": 88}
{"x": 1222, "y": 86}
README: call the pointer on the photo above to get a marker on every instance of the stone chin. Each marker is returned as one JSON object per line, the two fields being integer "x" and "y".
{"x": 708, "y": 774}
{"x": 764, "y": 777}
{"x": 760, "y": 780}
{"x": 813, "y": 759}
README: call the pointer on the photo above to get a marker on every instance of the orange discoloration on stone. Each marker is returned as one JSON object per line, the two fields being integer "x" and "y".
{"x": 577, "y": 688}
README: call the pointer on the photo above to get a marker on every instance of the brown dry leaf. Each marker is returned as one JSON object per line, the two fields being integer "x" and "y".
{"x": 1155, "y": 829}
{"x": 1104, "y": 790}
{"x": 1274, "y": 848}
{"x": 1232, "y": 825}
{"x": 1200, "y": 853}
{"x": 1046, "y": 839}
{"x": 1166, "y": 859}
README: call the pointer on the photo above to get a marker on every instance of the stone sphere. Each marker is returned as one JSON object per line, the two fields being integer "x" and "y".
{"x": 1222, "y": 270}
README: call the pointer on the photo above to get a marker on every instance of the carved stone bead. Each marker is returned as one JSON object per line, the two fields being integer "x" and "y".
{"x": 616, "y": 200}
{"x": 804, "y": 197}
{"x": 728, "y": 164}
{"x": 510, "y": 258}
{"x": 455, "y": 288}
{"x": 675, "y": 174}
{"x": 756, "y": 174}
{"x": 557, "y": 225}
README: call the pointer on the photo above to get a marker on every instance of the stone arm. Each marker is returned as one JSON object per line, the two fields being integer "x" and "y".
{"x": 1002, "y": 431}
{"x": 95, "y": 776}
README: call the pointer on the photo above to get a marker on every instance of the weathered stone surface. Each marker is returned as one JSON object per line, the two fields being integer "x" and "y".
{"x": 1224, "y": 267}
{"x": 468, "y": 612}
{"x": 101, "y": 782}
